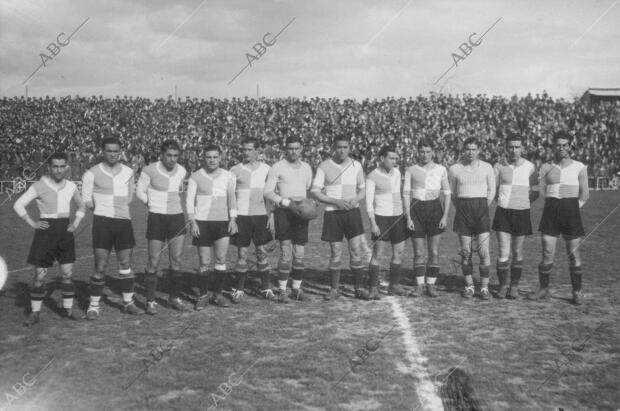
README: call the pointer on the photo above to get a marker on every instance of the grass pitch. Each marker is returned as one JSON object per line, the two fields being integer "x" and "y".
{"x": 345, "y": 355}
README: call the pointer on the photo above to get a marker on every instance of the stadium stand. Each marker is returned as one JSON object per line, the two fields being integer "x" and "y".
{"x": 32, "y": 128}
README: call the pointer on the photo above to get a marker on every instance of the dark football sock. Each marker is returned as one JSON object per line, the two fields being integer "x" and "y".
{"x": 502, "y": 272}
{"x": 36, "y": 297}
{"x": 219, "y": 280}
{"x": 176, "y": 284}
{"x": 67, "y": 289}
{"x": 544, "y": 274}
{"x": 335, "y": 277}
{"x": 263, "y": 270}
{"x": 358, "y": 276}
{"x": 150, "y": 285}
{"x": 241, "y": 276}
{"x": 575, "y": 277}
{"x": 432, "y": 272}
{"x": 419, "y": 272}
{"x": 373, "y": 275}
{"x": 396, "y": 272}
{"x": 96, "y": 286}
{"x": 515, "y": 272}
{"x": 204, "y": 278}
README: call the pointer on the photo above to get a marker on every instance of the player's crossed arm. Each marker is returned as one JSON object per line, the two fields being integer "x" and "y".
{"x": 318, "y": 192}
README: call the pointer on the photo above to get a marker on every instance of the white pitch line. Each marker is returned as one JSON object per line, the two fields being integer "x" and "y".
{"x": 429, "y": 400}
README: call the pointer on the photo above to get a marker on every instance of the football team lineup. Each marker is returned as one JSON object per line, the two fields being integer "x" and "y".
{"x": 255, "y": 204}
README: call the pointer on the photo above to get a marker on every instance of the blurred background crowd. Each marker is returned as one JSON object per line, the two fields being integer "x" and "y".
{"x": 32, "y": 128}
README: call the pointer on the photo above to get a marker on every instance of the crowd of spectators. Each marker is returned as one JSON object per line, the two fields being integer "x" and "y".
{"x": 32, "y": 128}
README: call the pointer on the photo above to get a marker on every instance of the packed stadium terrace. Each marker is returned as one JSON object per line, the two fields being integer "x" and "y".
{"x": 31, "y": 128}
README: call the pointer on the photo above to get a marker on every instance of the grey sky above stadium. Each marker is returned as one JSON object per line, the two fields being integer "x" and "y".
{"x": 332, "y": 48}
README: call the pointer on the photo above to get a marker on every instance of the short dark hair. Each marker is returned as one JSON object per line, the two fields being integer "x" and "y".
{"x": 386, "y": 149}
{"x": 513, "y": 136}
{"x": 426, "y": 143}
{"x": 250, "y": 140}
{"x": 170, "y": 145}
{"x": 59, "y": 155}
{"x": 341, "y": 137}
{"x": 471, "y": 140}
{"x": 562, "y": 134}
{"x": 293, "y": 139}
{"x": 110, "y": 140}
{"x": 213, "y": 147}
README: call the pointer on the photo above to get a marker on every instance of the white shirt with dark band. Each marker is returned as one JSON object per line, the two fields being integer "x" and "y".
{"x": 476, "y": 182}
{"x": 425, "y": 184}
{"x": 340, "y": 181}
{"x": 111, "y": 194}
{"x": 250, "y": 183}
{"x": 161, "y": 189}
{"x": 53, "y": 201}
{"x": 211, "y": 197}
{"x": 558, "y": 182}
{"x": 383, "y": 195}
{"x": 514, "y": 184}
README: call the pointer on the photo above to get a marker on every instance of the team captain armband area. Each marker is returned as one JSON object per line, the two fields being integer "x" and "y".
{"x": 312, "y": 354}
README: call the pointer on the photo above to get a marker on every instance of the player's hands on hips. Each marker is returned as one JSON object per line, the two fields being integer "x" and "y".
{"x": 374, "y": 229}
{"x": 232, "y": 227}
{"x": 194, "y": 229}
{"x": 271, "y": 225}
{"x": 443, "y": 223}
{"x": 40, "y": 225}
{"x": 410, "y": 225}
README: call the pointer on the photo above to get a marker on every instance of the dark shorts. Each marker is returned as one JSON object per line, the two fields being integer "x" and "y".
{"x": 252, "y": 228}
{"x": 515, "y": 222}
{"x": 210, "y": 232}
{"x": 472, "y": 216}
{"x": 342, "y": 223}
{"x": 561, "y": 216}
{"x": 162, "y": 227}
{"x": 426, "y": 216}
{"x": 290, "y": 227}
{"x": 392, "y": 228}
{"x": 112, "y": 232}
{"x": 53, "y": 244}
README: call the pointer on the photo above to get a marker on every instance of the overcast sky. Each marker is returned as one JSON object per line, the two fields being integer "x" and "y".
{"x": 331, "y": 48}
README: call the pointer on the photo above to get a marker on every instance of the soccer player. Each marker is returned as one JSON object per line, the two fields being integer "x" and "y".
{"x": 426, "y": 187}
{"x": 517, "y": 183}
{"x": 564, "y": 183}
{"x": 289, "y": 180}
{"x": 339, "y": 183}
{"x": 212, "y": 210}
{"x": 53, "y": 237}
{"x": 254, "y": 222}
{"x": 472, "y": 183}
{"x": 159, "y": 188}
{"x": 384, "y": 206}
{"x": 108, "y": 188}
